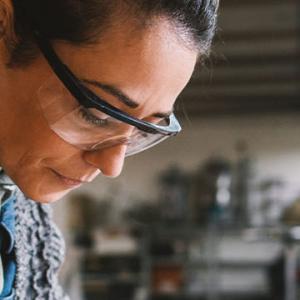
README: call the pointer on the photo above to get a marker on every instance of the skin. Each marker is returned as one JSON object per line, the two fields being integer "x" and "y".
{"x": 150, "y": 66}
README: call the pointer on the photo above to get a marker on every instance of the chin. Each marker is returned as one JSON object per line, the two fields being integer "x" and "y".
{"x": 43, "y": 195}
{"x": 46, "y": 198}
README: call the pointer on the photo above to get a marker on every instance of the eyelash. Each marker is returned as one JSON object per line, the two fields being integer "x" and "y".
{"x": 90, "y": 118}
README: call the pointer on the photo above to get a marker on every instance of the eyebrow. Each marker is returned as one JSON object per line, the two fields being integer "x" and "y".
{"x": 122, "y": 97}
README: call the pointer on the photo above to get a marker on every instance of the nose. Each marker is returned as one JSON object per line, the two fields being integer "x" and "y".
{"x": 109, "y": 161}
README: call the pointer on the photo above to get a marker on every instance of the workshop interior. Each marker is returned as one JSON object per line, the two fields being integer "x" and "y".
{"x": 213, "y": 213}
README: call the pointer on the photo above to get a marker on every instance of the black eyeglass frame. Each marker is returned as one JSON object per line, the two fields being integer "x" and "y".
{"x": 88, "y": 99}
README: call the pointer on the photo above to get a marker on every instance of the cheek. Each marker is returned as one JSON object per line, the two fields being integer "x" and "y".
{"x": 28, "y": 147}
{"x": 28, "y": 152}
{"x": 32, "y": 170}
{"x": 31, "y": 137}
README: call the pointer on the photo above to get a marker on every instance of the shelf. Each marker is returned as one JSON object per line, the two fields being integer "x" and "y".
{"x": 122, "y": 277}
{"x": 187, "y": 296}
{"x": 168, "y": 260}
{"x": 228, "y": 264}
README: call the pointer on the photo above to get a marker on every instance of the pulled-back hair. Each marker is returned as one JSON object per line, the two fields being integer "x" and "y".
{"x": 83, "y": 21}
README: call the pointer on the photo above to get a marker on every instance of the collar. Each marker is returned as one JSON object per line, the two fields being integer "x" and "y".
{"x": 5, "y": 179}
{"x": 7, "y": 186}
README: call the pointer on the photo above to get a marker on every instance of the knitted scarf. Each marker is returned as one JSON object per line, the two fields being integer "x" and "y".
{"x": 39, "y": 248}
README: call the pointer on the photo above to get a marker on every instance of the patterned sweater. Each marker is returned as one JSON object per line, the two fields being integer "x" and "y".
{"x": 39, "y": 247}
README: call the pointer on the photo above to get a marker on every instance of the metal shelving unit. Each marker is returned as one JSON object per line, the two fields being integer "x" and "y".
{"x": 212, "y": 265}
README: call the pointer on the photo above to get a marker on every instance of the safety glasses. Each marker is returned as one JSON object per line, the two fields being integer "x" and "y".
{"x": 141, "y": 136}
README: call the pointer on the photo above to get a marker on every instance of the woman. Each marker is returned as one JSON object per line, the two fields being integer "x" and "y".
{"x": 83, "y": 85}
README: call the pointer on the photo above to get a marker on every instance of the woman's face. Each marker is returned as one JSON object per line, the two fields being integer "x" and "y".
{"x": 151, "y": 67}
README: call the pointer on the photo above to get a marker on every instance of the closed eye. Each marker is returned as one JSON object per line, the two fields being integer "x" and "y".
{"x": 88, "y": 116}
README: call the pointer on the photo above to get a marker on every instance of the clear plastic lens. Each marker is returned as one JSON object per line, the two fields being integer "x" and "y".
{"x": 142, "y": 141}
{"x": 90, "y": 129}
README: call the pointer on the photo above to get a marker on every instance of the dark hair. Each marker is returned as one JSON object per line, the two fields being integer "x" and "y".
{"x": 82, "y": 21}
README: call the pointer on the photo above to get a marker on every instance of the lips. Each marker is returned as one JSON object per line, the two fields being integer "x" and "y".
{"x": 68, "y": 181}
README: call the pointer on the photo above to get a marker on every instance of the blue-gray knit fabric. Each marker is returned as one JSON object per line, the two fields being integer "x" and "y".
{"x": 7, "y": 240}
{"x": 39, "y": 248}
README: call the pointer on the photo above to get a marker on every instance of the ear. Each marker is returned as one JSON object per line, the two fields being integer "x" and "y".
{"x": 8, "y": 38}
{"x": 6, "y": 20}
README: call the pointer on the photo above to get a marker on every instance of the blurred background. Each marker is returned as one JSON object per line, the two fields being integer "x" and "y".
{"x": 214, "y": 213}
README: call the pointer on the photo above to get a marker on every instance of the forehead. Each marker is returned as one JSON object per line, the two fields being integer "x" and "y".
{"x": 147, "y": 64}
